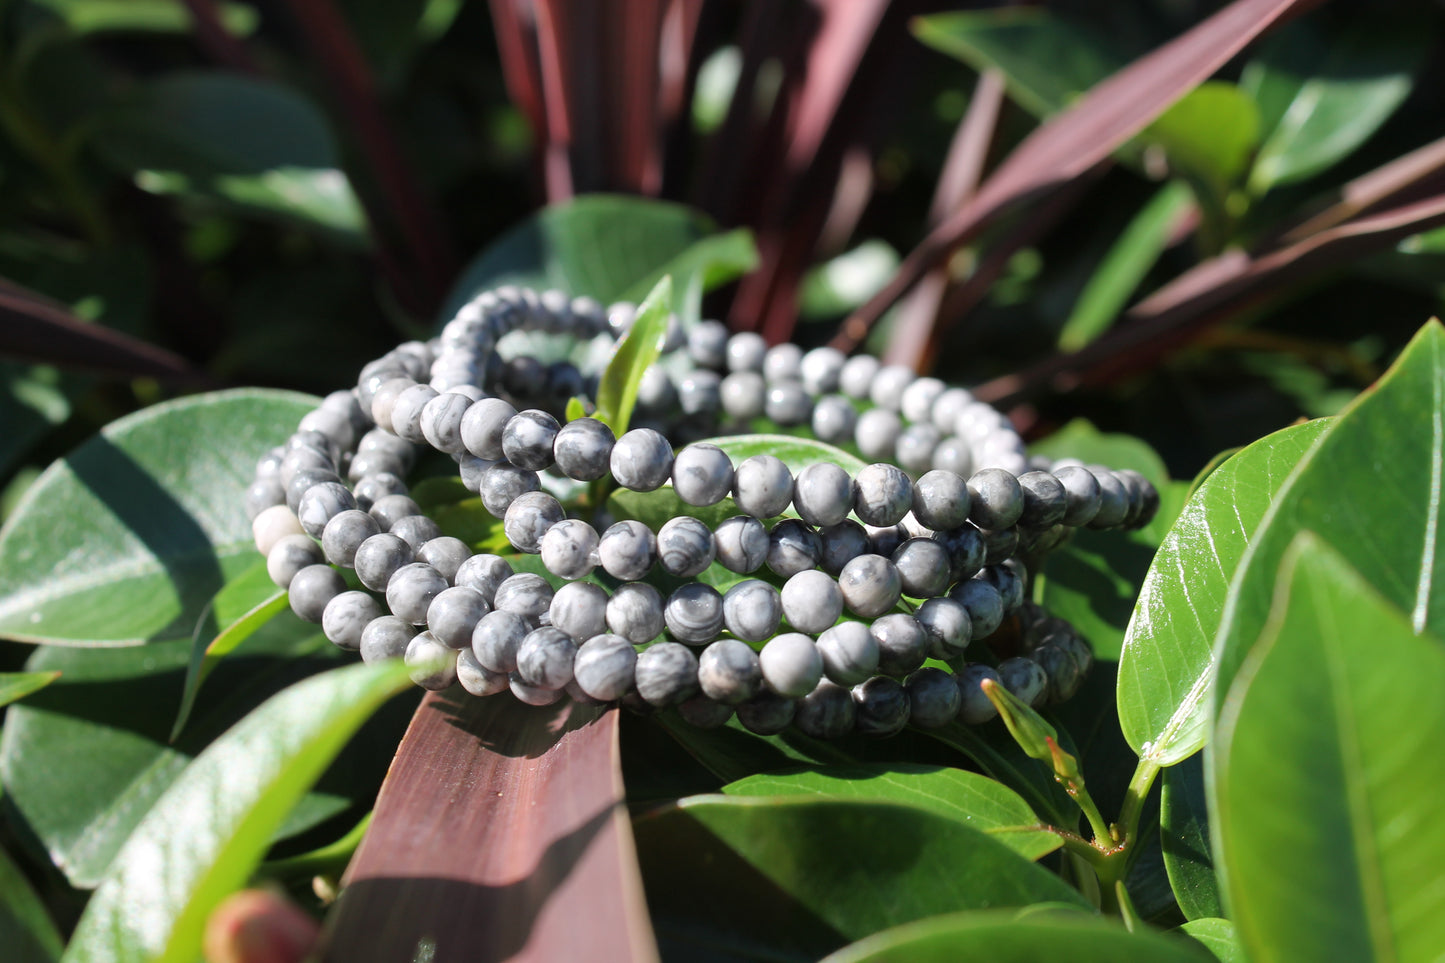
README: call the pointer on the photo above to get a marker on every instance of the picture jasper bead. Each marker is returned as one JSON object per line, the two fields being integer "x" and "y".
{"x": 604, "y": 667}
{"x": 484, "y": 573}
{"x": 503, "y": 484}
{"x": 787, "y": 404}
{"x": 842, "y": 543}
{"x": 746, "y": 351}
{"x": 849, "y": 653}
{"x": 834, "y": 419}
{"x": 583, "y": 449}
{"x": 793, "y": 547}
{"x": 827, "y": 712}
{"x": 528, "y": 518}
{"x": 923, "y": 567}
{"x": 580, "y": 610}
{"x": 545, "y": 657}
{"x": 752, "y": 610}
{"x": 569, "y": 549}
{"x": 1045, "y": 501}
{"x": 453, "y": 615}
{"x": 496, "y": 639}
{"x": 372, "y": 488}
{"x": 411, "y": 589}
{"x": 976, "y": 707}
{"x": 666, "y": 674}
{"x": 767, "y": 713}
{"x": 685, "y": 546}
{"x": 445, "y": 554}
{"x": 728, "y": 671}
{"x": 312, "y": 588}
{"x": 883, "y": 707}
{"x": 694, "y": 613}
{"x": 998, "y": 501}
{"x": 635, "y": 613}
{"x": 527, "y": 439}
{"x": 415, "y": 530}
{"x": 321, "y": 504}
{"x": 433, "y": 665}
{"x": 642, "y": 460}
{"x": 741, "y": 544}
{"x": 823, "y": 494}
{"x": 406, "y": 412}
{"x": 532, "y": 695}
{"x": 902, "y": 643}
{"x": 1059, "y": 668}
{"x": 1025, "y": 679}
{"x": 344, "y": 534}
{"x": 702, "y": 475}
{"x": 627, "y": 550}
{"x": 441, "y": 422}
{"x": 762, "y": 486}
{"x": 273, "y": 524}
{"x": 966, "y": 551}
{"x": 743, "y": 394}
{"x": 1082, "y": 496}
{"x": 346, "y": 616}
{"x": 483, "y": 426}
{"x": 476, "y": 678}
{"x": 1113, "y": 500}
{"x": 290, "y": 555}
{"x": 984, "y": 605}
{"x": 385, "y": 638}
{"x": 526, "y": 595}
{"x": 875, "y": 432}
{"x": 704, "y": 713}
{"x": 811, "y": 601}
{"x": 948, "y": 626}
{"x": 870, "y": 585}
{"x": 390, "y": 509}
{"x": 933, "y": 698}
{"x": 941, "y": 500}
{"x": 791, "y": 665}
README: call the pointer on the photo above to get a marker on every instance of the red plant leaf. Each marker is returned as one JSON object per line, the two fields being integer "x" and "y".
{"x": 501, "y": 833}
{"x": 1409, "y": 175}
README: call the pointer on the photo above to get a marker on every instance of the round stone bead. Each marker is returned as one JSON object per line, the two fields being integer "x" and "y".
{"x": 741, "y": 543}
{"x": 820, "y": 370}
{"x": 888, "y": 386}
{"x": 504, "y": 483}
{"x": 834, "y": 419}
{"x": 875, "y": 432}
{"x": 297, "y": 460}
{"x": 545, "y": 657}
{"x": 887, "y": 539}
{"x": 265, "y": 493}
{"x": 383, "y": 399}
{"x": 923, "y": 567}
{"x": 273, "y": 524}
{"x": 441, "y": 422}
{"x": 788, "y": 404}
{"x": 976, "y": 707}
{"x": 346, "y": 616}
{"x": 954, "y": 455}
{"x": 526, "y": 595}
{"x": 407, "y": 410}
{"x": 372, "y": 462}
{"x": 372, "y": 488}
{"x": 882, "y": 706}
{"x": 1008, "y": 579}
{"x": 1082, "y": 496}
{"x": 1060, "y": 669}
{"x": 856, "y": 378}
{"x": 532, "y": 695}
{"x": 966, "y": 551}
{"x": 762, "y": 486}
{"x": 703, "y": 713}
{"x": 783, "y": 362}
{"x": 290, "y": 555}
{"x": 1024, "y": 678}
{"x": 382, "y": 442}
{"x": 849, "y": 653}
{"x": 666, "y": 674}
{"x": 948, "y": 406}
{"x": 842, "y": 543}
{"x": 728, "y": 671}
{"x": 793, "y": 547}
{"x": 752, "y": 610}
{"x": 823, "y": 494}
{"x": 767, "y": 714}
{"x": 947, "y": 625}
{"x": 902, "y": 643}
{"x": 312, "y": 588}
{"x": 791, "y": 665}
{"x": 385, "y": 638}
{"x": 583, "y": 449}
{"x": 580, "y": 610}
{"x": 411, "y": 589}
{"x": 484, "y": 573}
{"x": 941, "y": 500}
{"x": 433, "y": 665}
{"x": 870, "y": 585}
{"x": 627, "y": 550}
{"x": 1045, "y": 501}
{"x": 635, "y": 613}
{"x": 604, "y": 667}
{"x": 344, "y": 534}
{"x": 827, "y": 712}
{"x": 914, "y": 447}
{"x": 483, "y": 426}
{"x": 918, "y": 399}
{"x": 933, "y": 698}
{"x": 642, "y": 460}
{"x": 707, "y": 344}
{"x": 527, "y": 439}
{"x": 743, "y": 395}
{"x": 416, "y": 531}
{"x": 476, "y": 678}
{"x": 685, "y": 546}
{"x": 390, "y": 509}
{"x": 746, "y": 351}
{"x": 694, "y": 613}
{"x": 985, "y": 606}
{"x": 998, "y": 501}
{"x": 497, "y": 638}
{"x": 524, "y": 377}
{"x": 812, "y": 601}
{"x": 1145, "y": 504}
{"x": 569, "y": 549}
{"x": 702, "y": 474}
{"x": 1113, "y": 500}
{"x": 453, "y": 615}
{"x": 302, "y": 482}
{"x": 445, "y": 554}
{"x": 528, "y": 518}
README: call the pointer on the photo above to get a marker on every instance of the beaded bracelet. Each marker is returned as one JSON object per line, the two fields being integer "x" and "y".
{"x": 539, "y": 643}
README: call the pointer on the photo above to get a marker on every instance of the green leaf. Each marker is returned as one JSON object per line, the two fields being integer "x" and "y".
{"x": 842, "y": 283}
{"x": 809, "y": 876}
{"x": 31, "y": 403}
{"x": 253, "y": 144}
{"x": 995, "y": 752}
{"x": 610, "y": 247}
{"x": 1329, "y": 94}
{"x": 1184, "y": 829}
{"x": 1165, "y": 666}
{"x": 973, "y": 799}
{"x": 209, "y": 831}
{"x": 15, "y": 686}
{"x": 638, "y": 349}
{"x": 1004, "y": 937}
{"x": 1218, "y": 937}
{"x": 144, "y": 16}
{"x": 732, "y": 753}
{"x": 26, "y": 930}
{"x": 126, "y": 539}
{"x": 1326, "y": 773}
{"x": 1209, "y": 137}
{"x": 1124, "y": 267}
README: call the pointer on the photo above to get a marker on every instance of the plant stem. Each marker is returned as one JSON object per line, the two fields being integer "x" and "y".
{"x": 1143, "y": 780}
{"x": 1102, "y": 834}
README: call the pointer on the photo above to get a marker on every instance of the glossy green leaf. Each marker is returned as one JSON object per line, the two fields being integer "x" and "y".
{"x": 636, "y": 352}
{"x": 209, "y": 831}
{"x": 1336, "y": 91}
{"x": 27, "y": 933}
{"x": 15, "y": 686}
{"x": 1003, "y": 937}
{"x": 609, "y": 247}
{"x": 1370, "y": 488}
{"x": 809, "y": 876}
{"x": 844, "y": 282}
{"x": 1209, "y": 136}
{"x": 1218, "y": 937}
{"x": 31, "y": 404}
{"x": 1124, "y": 267}
{"x": 1326, "y": 773}
{"x": 732, "y": 753}
{"x": 250, "y": 143}
{"x": 144, "y": 16}
{"x": 1184, "y": 829}
{"x": 972, "y": 798}
{"x": 995, "y": 752}
{"x": 1165, "y": 666}
{"x": 126, "y": 539}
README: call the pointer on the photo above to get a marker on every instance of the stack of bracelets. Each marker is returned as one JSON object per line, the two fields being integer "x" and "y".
{"x": 941, "y": 545}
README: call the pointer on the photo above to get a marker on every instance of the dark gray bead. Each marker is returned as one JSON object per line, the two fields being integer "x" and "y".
{"x": 700, "y": 392}
{"x": 743, "y": 395}
{"x": 666, "y": 674}
{"x": 728, "y": 671}
{"x": 762, "y": 486}
{"x": 527, "y": 439}
{"x": 1072, "y": 642}
{"x": 703, "y": 713}
{"x": 1024, "y": 678}
{"x": 976, "y": 708}
{"x": 823, "y": 494}
{"x": 290, "y": 555}
{"x": 497, "y": 638}
{"x": 1082, "y": 497}
{"x": 382, "y": 442}
{"x": 999, "y": 545}
{"x": 985, "y": 607}
{"x": 569, "y": 549}
{"x": 882, "y": 706}
{"x": 694, "y": 613}
{"x": 433, "y": 665}
{"x": 411, "y": 589}
{"x": 445, "y": 554}
{"x": 834, "y": 419}
{"x": 503, "y": 484}
{"x": 923, "y": 567}
{"x": 524, "y": 377}
{"x": 1045, "y": 501}
{"x": 842, "y": 543}
{"x": 954, "y": 455}
{"x": 767, "y": 714}
{"x": 262, "y": 494}
{"x": 998, "y": 501}
{"x": 791, "y": 665}
{"x": 385, "y": 638}
{"x": 685, "y": 546}
{"x": 477, "y": 678}
{"x": 821, "y": 369}
{"x": 346, "y": 616}
{"x": 604, "y": 667}
{"x": 941, "y": 500}
{"x": 1061, "y": 670}
{"x": 793, "y": 547}
{"x": 642, "y": 460}
{"x": 1143, "y": 498}
{"x": 483, "y": 426}
{"x": 875, "y": 432}
{"x": 933, "y": 698}
{"x": 870, "y": 586}
{"x": 1113, "y": 500}
{"x": 1008, "y": 579}
{"x": 627, "y": 550}
{"x": 407, "y": 410}
{"x": 752, "y": 610}
{"x": 702, "y": 474}
{"x": 524, "y": 594}
{"x": 707, "y": 344}
{"x": 788, "y": 404}
{"x": 902, "y": 643}
{"x": 887, "y": 539}
{"x": 483, "y": 573}
{"x": 948, "y": 626}
{"x": 746, "y": 351}
{"x": 655, "y": 391}
{"x": 302, "y": 482}
{"x": 849, "y": 652}
{"x": 372, "y": 488}
{"x": 441, "y": 422}
{"x": 827, "y": 712}
{"x": 635, "y": 612}
{"x": 811, "y": 601}
{"x": 416, "y": 531}
{"x": 312, "y": 588}
{"x": 545, "y": 657}
{"x": 580, "y": 610}
{"x": 583, "y": 449}
{"x": 741, "y": 543}
{"x": 532, "y": 695}
{"x": 453, "y": 615}
{"x": 914, "y": 447}
{"x": 882, "y": 494}
{"x": 528, "y": 518}
{"x": 966, "y": 551}
{"x": 344, "y": 534}
{"x": 390, "y": 509}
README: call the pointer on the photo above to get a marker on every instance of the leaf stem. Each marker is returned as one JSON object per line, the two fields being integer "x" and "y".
{"x": 1143, "y": 780}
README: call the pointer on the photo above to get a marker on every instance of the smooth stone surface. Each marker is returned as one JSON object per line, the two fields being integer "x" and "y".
{"x": 746, "y": 351}
{"x": 666, "y": 674}
{"x": 379, "y": 557}
{"x": 788, "y": 404}
{"x": 524, "y": 594}
{"x": 441, "y": 422}
{"x": 1045, "y": 500}
{"x": 913, "y": 450}
{"x": 1025, "y": 678}
{"x": 966, "y": 551}
{"x": 743, "y": 395}
{"x": 635, "y": 612}
{"x": 604, "y": 667}
{"x": 1082, "y": 495}
{"x": 827, "y": 712}
{"x": 496, "y": 639}
{"x": 527, "y": 439}
{"x": 976, "y": 708}
{"x": 320, "y": 504}
{"x": 870, "y": 585}
{"x": 627, "y": 550}
{"x": 312, "y": 588}
{"x": 882, "y": 706}
{"x": 941, "y": 500}
{"x": 570, "y": 549}
{"x": 433, "y": 665}
{"x": 923, "y": 567}
{"x": 694, "y": 613}
{"x": 741, "y": 544}
{"x": 484, "y": 573}
{"x": 503, "y": 484}
{"x": 545, "y": 657}
{"x": 411, "y": 590}
{"x": 406, "y": 412}
{"x": 985, "y": 606}
{"x": 416, "y": 531}
{"x": 793, "y": 547}
{"x": 685, "y": 546}
{"x": 274, "y": 524}
{"x": 767, "y": 714}
{"x": 752, "y": 610}
{"x": 476, "y": 678}
{"x": 875, "y": 432}
{"x": 842, "y": 543}
{"x": 762, "y": 486}
{"x": 728, "y": 671}
{"x": 530, "y": 516}
{"x": 834, "y": 419}
{"x": 933, "y": 698}
{"x": 704, "y": 713}
{"x": 823, "y": 494}
{"x": 583, "y": 449}
{"x": 385, "y": 638}
{"x": 811, "y": 601}
{"x": 902, "y": 643}
{"x": 453, "y": 616}
{"x": 882, "y": 494}
{"x": 849, "y": 653}
{"x": 642, "y": 460}
{"x": 998, "y": 501}
{"x": 446, "y": 554}
{"x": 702, "y": 474}
{"x": 346, "y": 616}
{"x": 580, "y": 610}
{"x": 948, "y": 626}
{"x": 791, "y": 665}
